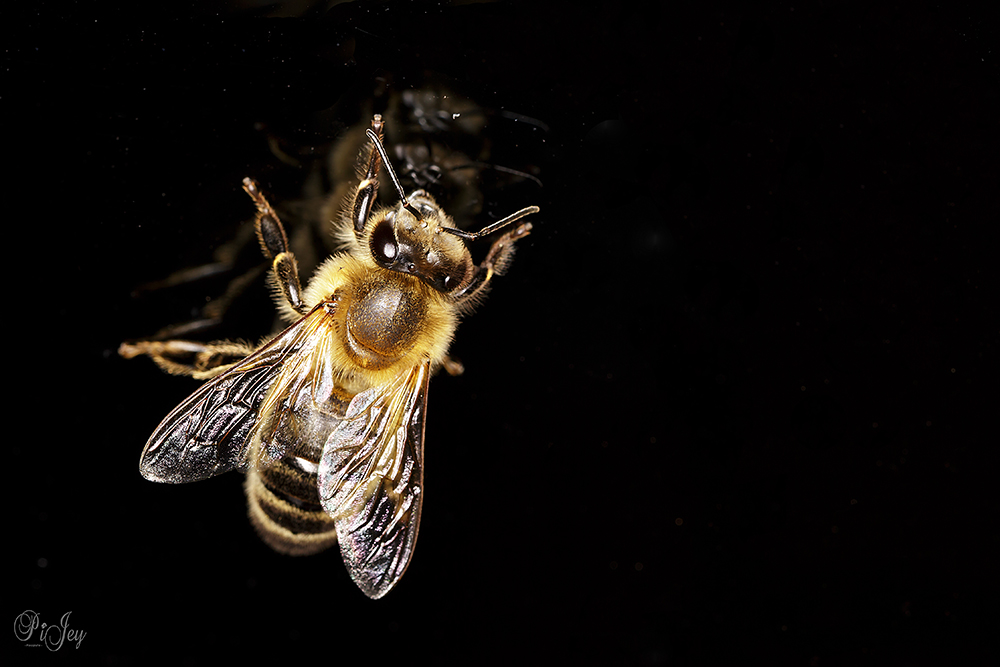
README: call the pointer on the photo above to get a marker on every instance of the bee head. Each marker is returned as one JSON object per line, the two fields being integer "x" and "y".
{"x": 411, "y": 238}
{"x": 416, "y": 236}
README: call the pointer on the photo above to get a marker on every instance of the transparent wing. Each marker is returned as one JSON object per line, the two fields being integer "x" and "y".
{"x": 241, "y": 418}
{"x": 371, "y": 478}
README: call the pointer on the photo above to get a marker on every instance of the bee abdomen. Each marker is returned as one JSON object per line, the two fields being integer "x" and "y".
{"x": 284, "y": 508}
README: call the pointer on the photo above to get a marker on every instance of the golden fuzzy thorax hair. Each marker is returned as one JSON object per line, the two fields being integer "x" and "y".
{"x": 422, "y": 325}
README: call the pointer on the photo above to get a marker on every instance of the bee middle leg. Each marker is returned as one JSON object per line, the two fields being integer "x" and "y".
{"x": 184, "y": 357}
{"x": 274, "y": 243}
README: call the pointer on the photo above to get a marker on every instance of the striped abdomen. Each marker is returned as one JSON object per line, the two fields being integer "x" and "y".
{"x": 283, "y": 500}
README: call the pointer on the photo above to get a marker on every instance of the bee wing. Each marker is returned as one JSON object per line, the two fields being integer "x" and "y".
{"x": 371, "y": 478}
{"x": 231, "y": 421}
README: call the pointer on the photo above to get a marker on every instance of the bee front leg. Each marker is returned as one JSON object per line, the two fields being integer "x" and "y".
{"x": 497, "y": 260}
{"x": 184, "y": 357}
{"x": 274, "y": 243}
{"x": 367, "y": 190}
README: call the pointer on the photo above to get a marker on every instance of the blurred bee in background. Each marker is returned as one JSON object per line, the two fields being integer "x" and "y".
{"x": 440, "y": 141}
{"x": 327, "y": 417}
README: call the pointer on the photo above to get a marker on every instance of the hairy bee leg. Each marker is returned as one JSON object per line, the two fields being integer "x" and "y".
{"x": 495, "y": 264}
{"x": 184, "y": 357}
{"x": 367, "y": 191}
{"x": 274, "y": 244}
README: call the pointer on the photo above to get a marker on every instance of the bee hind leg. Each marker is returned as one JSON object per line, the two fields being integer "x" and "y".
{"x": 184, "y": 357}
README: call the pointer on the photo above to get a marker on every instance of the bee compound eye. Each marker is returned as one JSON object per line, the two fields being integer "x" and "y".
{"x": 383, "y": 243}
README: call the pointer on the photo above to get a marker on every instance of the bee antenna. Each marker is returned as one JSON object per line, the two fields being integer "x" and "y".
{"x": 486, "y": 231}
{"x": 392, "y": 174}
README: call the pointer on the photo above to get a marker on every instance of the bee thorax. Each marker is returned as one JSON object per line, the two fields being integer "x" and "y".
{"x": 383, "y": 323}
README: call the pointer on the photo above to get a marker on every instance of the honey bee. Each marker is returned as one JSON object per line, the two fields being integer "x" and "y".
{"x": 327, "y": 417}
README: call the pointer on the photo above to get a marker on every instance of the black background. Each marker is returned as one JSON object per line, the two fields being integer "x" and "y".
{"x": 734, "y": 401}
